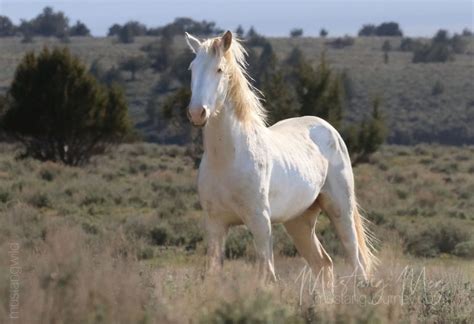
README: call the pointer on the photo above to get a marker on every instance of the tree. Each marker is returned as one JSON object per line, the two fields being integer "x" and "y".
{"x": 441, "y": 37}
{"x": 280, "y": 103}
{"x": 160, "y": 54}
{"x": 50, "y": 23}
{"x": 126, "y": 35}
{"x": 366, "y": 139}
{"x": 7, "y": 28}
{"x": 466, "y": 32}
{"x": 295, "y": 58}
{"x": 252, "y": 32}
{"x": 434, "y": 52}
{"x": 176, "y": 71}
{"x": 174, "y": 110}
{"x": 254, "y": 38}
{"x": 409, "y": 45}
{"x": 133, "y": 65}
{"x": 441, "y": 48}
{"x": 384, "y": 29}
{"x": 459, "y": 44}
{"x": 341, "y": 42}
{"x": 240, "y": 31}
{"x": 323, "y": 33}
{"x": 59, "y": 111}
{"x": 367, "y": 30}
{"x": 266, "y": 65}
{"x": 386, "y": 47}
{"x": 388, "y": 29}
{"x": 79, "y": 29}
{"x": 296, "y": 32}
{"x": 114, "y": 30}
{"x": 320, "y": 92}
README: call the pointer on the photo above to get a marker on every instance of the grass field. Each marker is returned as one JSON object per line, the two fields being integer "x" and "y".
{"x": 121, "y": 240}
{"x": 413, "y": 112}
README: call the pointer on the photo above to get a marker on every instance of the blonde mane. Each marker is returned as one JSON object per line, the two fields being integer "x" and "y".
{"x": 241, "y": 93}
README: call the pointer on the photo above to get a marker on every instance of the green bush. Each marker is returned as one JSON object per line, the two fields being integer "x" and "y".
{"x": 5, "y": 196}
{"x": 435, "y": 238}
{"x": 159, "y": 235}
{"x": 259, "y": 309}
{"x": 60, "y": 112}
{"x": 40, "y": 200}
{"x": 237, "y": 243}
{"x": 438, "y": 88}
{"x": 464, "y": 249}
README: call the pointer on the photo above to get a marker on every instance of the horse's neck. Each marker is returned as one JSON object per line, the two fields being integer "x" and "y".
{"x": 225, "y": 137}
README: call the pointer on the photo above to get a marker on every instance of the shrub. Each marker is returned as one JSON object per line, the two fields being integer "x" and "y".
{"x": 464, "y": 249}
{"x": 159, "y": 235}
{"x": 49, "y": 23}
{"x": 4, "y": 196}
{"x": 40, "y": 200}
{"x": 7, "y": 28}
{"x": 409, "y": 45}
{"x": 258, "y": 309}
{"x": 341, "y": 42}
{"x": 441, "y": 49}
{"x": 59, "y": 112}
{"x": 386, "y": 46}
{"x": 79, "y": 29}
{"x": 296, "y": 32}
{"x": 237, "y": 243}
{"x": 384, "y": 29}
{"x": 134, "y": 65}
{"x": 432, "y": 53}
{"x": 126, "y": 36}
{"x": 47, "y": 175}
{"x": 438, "y": 88}
{"x": 434, "y": 239}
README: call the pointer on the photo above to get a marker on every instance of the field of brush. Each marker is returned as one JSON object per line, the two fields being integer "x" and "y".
{"x": 121, "y": 241}
{"x": 415, "y": 111}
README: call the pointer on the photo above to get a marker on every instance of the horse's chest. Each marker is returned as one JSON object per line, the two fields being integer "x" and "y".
{"x": 233, "y": 192}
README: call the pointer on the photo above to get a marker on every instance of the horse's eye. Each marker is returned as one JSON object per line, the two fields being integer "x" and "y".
{"x": 219, "y": 70}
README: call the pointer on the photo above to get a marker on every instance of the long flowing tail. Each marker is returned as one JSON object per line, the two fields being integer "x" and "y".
{"x": 366, "y": 240}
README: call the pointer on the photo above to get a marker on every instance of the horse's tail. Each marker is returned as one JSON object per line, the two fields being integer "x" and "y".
{"x": 366, "y": 240}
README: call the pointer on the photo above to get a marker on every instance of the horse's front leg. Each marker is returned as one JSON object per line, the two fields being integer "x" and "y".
{"x": 260, "y": 226}
{"x": 216, "y": 234}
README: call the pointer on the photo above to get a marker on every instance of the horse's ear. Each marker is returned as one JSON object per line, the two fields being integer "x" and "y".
{"x": 193, "y": 42}
{"x": 226, "y": 40}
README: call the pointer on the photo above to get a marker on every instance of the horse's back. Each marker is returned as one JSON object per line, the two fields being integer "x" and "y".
{"x": 323, "y": 134}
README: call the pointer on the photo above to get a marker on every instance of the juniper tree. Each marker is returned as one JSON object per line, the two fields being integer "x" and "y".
{"x": 60, "y": 112}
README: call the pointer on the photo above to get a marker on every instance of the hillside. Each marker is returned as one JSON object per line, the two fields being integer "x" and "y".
{"x": 413, "y": 112}
{"x": 122, "y": 239}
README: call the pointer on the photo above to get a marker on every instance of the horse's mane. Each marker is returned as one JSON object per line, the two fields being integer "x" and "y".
{"x": 244, "y": 96}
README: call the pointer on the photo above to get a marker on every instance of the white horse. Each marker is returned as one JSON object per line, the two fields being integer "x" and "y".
{"x": 256, "y": 175}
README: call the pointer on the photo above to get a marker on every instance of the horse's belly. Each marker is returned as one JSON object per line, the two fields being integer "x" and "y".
{"x": 292, "y": 192}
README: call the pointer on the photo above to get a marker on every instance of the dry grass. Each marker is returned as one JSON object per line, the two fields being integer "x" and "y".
{"x": 68, "y": 279}
{"x": 120, "y": 241}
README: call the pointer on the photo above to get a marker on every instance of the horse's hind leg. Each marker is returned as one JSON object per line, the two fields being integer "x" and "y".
{"x": 341, "y": 210}
{"x": 302, "y": 232}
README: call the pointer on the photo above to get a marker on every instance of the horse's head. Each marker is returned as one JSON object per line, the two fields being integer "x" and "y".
{"x": 209, "y": 79}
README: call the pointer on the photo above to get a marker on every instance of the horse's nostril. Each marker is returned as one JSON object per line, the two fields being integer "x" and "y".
{"x": 203, "y": 113}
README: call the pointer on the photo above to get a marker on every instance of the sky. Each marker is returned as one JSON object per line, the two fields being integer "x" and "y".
{"x": 269, "y": 17}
